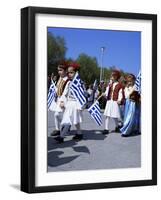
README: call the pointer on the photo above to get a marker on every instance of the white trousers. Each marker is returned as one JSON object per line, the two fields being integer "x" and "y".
{"x": 58, "y": 116}
{"x": 66, "y": 128}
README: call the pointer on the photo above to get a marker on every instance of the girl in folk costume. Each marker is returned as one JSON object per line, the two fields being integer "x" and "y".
{"x": 63, "y": 79}
{"x": 73, "y": 112}
{"x": 115, "y": 97}
{"x": 131, "y": 122}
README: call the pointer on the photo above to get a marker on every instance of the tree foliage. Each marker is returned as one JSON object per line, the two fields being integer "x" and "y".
{"x": 56, "y": 51}
{"x": 89, "y": 70}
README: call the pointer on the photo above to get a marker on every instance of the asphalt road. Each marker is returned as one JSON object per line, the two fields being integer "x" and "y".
{"x": 95, "y": 151}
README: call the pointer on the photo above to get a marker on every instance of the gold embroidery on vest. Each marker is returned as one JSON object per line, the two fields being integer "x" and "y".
{"x": 60, "y": 85}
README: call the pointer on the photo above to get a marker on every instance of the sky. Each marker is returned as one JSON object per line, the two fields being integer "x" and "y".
{"x": 122, "y": 48}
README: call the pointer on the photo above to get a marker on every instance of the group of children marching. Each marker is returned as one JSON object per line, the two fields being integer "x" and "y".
{"x": 68, "y": 112}
{"x": 122, "y": 105}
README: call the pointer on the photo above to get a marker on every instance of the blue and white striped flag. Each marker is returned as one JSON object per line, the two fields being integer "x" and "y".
{"x": 95, "y": 113}
{"x": 78, "y": 90}
{"x": 138, "y": 82}
{"x": 51, "y": 94}
{"x": 95, "y": 85}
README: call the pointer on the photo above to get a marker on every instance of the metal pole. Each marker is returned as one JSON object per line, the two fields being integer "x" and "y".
{"x": 101, "y": 69}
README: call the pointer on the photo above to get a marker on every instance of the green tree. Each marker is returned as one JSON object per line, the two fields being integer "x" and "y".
{"x": 89, "y": 70}
{"x": 56, "y": 47}
{"x": 107, "y": 74}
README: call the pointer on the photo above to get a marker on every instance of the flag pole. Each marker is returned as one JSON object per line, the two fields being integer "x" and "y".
{"x": 99, "y": 97}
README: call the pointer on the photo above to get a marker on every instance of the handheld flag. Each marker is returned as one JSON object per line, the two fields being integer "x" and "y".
{"x": 95, "y": 85}
{"x": 138, "y": 83}
{"x": 92, "y": 95}
{"x": 51, "y": 94}
{"x": 78, "y": 90}
{"x": 95, "y": 113}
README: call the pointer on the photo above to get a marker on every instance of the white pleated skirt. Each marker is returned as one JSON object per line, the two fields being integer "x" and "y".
{"x": 112, "y": 109}
{"x": 72, "y": 114}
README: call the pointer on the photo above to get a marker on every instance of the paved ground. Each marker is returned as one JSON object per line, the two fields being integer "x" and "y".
{"x": 95, "y": 151}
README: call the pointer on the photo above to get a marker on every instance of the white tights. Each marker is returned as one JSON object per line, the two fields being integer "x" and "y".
{"x": 58, "y": 118}
{"x": 78, "y": 129}
{"x": 107, "y": 122}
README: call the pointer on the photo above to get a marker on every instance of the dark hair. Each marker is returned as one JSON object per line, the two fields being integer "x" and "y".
{"x": 130, "y": 76}
{"x": 63, "y": 64}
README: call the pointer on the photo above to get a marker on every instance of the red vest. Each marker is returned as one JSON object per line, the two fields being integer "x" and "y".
{"x": 115, "y": 92}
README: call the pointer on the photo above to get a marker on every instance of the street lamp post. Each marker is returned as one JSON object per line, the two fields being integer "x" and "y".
{"x": 101, "y": 69}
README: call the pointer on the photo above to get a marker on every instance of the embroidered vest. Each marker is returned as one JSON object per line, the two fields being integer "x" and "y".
{"x": 114, "y": 92}
{"x": 60, "y": 86}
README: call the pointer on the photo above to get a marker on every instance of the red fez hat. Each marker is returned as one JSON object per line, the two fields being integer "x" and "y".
{"x": 116, "y": 73}
{"x": 74, "y": 65}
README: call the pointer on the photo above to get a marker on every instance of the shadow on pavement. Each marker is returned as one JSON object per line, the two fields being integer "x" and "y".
{"x": 87, "y": 135}
{"x": 93, "y": 135}
{"x": 82, "y": 149}
{"x": 54, "y": 160}
{"x": 52, "y": 144}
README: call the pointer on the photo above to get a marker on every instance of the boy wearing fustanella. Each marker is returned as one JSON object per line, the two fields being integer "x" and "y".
{"x": 60, "y": 86}
{"x": 115, "y": 97}
{"x": 73, "y": 111}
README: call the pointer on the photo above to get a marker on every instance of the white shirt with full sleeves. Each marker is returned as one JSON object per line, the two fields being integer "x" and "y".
{"x": 128, "y": 91}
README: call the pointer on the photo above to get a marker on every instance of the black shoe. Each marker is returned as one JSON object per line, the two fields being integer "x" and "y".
{"x": 78, "y": 137}
{"x": 59, "y": 139}
{"x": 105, "y": 132}
{"x": 117, "y": 130}
{"x": 120, "y": 126}
{"x": 124, "y": 135}
{"x": 55, "y": 133}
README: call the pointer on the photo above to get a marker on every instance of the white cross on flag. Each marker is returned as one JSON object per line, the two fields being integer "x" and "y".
{"x": 78, "y": 90}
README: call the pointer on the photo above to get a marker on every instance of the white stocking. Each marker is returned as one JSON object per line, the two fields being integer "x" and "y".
{"x": 107, "y": 122}
{"x": 116, "y": 122}
{"x": 57, "y": 118}
{"x": 79, "y": 132}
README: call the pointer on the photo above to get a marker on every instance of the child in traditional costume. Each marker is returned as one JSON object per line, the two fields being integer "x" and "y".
{"x": 73, "y": 112}
{"x": 131, "y": 122}
{"x": 115, "y": 97}
{"x": 60, "y": 86}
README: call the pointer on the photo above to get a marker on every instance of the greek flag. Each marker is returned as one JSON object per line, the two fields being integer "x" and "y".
{"x": 51, "y": 94}
{"x": 78, "y": 90}
{"x": 95, "y": 113}
{"x": 95, "y": 85}
{"x": 138, "y": 83}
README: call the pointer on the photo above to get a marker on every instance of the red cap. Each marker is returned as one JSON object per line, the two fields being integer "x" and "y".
{"x": 74, "y": 65}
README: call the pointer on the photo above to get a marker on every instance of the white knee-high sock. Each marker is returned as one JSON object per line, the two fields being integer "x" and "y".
{"x": 107, "y": 122}
{"x": 116, "y": 122}
{"x": 79, "y": 132}
{"x": 57, "y": 118}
